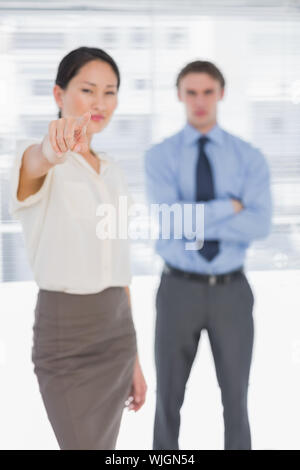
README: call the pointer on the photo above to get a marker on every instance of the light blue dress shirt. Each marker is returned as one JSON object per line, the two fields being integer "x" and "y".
{"x": 240, "y": 171}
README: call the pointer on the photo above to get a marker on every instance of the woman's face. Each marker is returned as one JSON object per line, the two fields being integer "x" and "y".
{"x": 93, "y": 89}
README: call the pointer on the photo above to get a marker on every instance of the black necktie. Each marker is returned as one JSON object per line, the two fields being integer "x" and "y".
{"x": 205, "y": 192}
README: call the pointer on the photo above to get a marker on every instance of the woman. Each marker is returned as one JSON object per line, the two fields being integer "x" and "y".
{"x": 84, "y": 341}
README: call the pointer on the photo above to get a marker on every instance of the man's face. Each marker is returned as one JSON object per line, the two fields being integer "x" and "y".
{"x": 200, "y": 94}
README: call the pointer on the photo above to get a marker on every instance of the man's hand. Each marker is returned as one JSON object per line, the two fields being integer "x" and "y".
{"x": 237, "y": 205}
{"x": 138, "y": 390}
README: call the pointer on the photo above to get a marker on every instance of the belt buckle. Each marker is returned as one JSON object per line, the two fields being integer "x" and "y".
{"x": 212, "y": 280}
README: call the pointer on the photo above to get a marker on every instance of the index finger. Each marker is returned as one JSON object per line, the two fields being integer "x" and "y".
{"x": 83, "y": 120}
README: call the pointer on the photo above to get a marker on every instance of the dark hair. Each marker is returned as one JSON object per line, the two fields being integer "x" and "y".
{"x": 201, "y": 66}
{"x": 74, "y": 60}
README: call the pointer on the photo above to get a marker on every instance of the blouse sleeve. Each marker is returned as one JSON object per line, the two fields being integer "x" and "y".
{"x": 15, "y": 205}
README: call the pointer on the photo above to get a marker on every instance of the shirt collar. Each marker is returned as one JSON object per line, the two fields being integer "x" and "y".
{"x": 191, "y": 134}
{"x": 102, "y": 156}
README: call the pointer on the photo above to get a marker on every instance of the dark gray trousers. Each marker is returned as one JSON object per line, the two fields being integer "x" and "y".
{"x": 183, "y": 308}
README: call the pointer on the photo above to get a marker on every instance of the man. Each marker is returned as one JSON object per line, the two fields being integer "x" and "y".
{"x": 206, "y": 288}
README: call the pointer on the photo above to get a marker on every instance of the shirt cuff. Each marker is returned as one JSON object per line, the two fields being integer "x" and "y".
{"x": 220, "y": 209}
{"x": 214, "y": 211}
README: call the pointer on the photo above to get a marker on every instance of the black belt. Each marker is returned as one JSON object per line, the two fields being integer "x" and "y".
{"x": 207, "y": 278}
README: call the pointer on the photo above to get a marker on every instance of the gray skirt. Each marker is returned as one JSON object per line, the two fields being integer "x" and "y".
{"x": 84, "y": 350}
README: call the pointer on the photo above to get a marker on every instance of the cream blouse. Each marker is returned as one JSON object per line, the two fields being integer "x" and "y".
{"x": 60, "y": 220}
